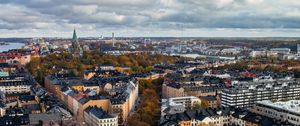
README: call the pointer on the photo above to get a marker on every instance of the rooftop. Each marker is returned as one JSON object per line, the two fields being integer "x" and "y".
{"x": 99, "y": 112}
{"x": 290, "y": 106}
{"x": 202, "y": 114}
{"x": 4, "y": 65}
{"x": 14, "y": 120}
{"x": 209, "y": 98}
{"x": 27, "y": 97}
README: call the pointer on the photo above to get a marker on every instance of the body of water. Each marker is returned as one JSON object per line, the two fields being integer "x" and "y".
{"x": 10, "y": 46}
{"x": 204, "y": 56}
{"x": 186, "y": 55}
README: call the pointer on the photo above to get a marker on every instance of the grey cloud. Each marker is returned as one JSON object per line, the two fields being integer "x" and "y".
{"x": 168, "y": 14}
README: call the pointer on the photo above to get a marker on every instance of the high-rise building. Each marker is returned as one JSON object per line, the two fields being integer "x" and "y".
{"x": 113, "y": 39}
{"x": 247, "y": 94}
{"x": 75, "y": 49}
{"x": 298, "y": 49}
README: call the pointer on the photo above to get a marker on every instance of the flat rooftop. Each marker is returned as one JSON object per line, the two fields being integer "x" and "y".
{"x": 290, "y": 106}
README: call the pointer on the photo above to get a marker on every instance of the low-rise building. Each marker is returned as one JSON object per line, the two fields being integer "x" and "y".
{"x": 179, "y": 104}
{"x": 281, "y": 50}
{"x": 30, "y": 104}
{"x": 284, "y": 111}
{"x": 5, "y": 67}
{"x": 210, "y": 101}
{"x": 15, "y": 57}
{"x": 218, "y": 75}
{"x": 258, "y": 53}
{"x": 55, "y": 116}
{"x": 95, "y": 116}
{"x": 151, "y": 75}
{"x": 15, "y": 120}
{"x": 219, "y": 117}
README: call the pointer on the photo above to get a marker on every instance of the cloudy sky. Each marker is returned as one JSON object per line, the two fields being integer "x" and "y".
{"x": 198, "y": 18}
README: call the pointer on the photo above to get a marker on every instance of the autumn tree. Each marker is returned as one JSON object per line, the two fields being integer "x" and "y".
{"x": 197, "y": 106}
{"x": 204, "y": 104}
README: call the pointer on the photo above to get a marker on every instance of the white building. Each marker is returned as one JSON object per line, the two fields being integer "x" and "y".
{"x": 133, "y": 91}
{"x": 178, "y": 104}
{"x": 265, "y": 53}
{"x": 231, "y": 51}
{"x": 283, "y": 111}
{"x": 95, "y": 116}
{"x": 290, "y": 57}
{"x": 10, "y": 85}
{"x": 208, "y": 73}
{"x": 281, "y": 50}
{"x": 220, "y": 117}
{"x": 187, "y": 102}
{"x": 246, "y": 94}
{"x": 258, "y": 53}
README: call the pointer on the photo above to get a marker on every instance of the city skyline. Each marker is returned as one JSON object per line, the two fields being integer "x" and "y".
{"x": 143, "y": 81}
{"x": 151, "y": 18}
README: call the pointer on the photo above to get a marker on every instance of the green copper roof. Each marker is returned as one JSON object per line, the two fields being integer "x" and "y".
{"x": 74, "y": 39}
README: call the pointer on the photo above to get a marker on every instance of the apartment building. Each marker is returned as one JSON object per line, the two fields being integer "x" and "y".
{"x": 171, "y": 90}
{"x": 15, "y": 84}
{"x": 17, "y": 57}
{"x": 210, "y": 101}
{"x": 95, "y": 116}
{"x": 117, "y": 94}
{"x": 5, "y": 67}
{"x": 246, "y": 94}
{"x": 284, "y": 111}
{"x": 223, "y": 116}
{"x": 178, "y": 104}
{"x": 54, "y": 83}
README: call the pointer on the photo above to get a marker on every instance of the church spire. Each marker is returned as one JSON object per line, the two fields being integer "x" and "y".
{"x": 74, "y": 39}
{"x": 75, "y": 49}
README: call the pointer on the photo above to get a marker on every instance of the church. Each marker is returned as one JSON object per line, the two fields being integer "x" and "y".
{"x": 75, "y": 48}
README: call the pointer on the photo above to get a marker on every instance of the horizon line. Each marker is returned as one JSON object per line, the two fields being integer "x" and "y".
{"x": 21, "y": 37}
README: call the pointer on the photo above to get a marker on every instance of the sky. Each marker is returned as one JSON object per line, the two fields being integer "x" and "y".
{"x": 150, "y": 18}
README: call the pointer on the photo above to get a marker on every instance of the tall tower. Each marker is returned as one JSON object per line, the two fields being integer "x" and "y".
{"x": 113, "y": 39}
{"x": 74, "y": 38}
{"x": 75, "y": 49}
{"x": 298, "y": 49}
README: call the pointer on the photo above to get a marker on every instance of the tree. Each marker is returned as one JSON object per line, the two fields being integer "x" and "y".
{"x": 196, "y": 105}
{"x": 204, "y": 104}
{"x": 237, "y": 66}
{"x": 135, "y": 120}
{"x": 33, "y": 66}
{"x": 149, "y": 109}
{"x": 149, "y": 68}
